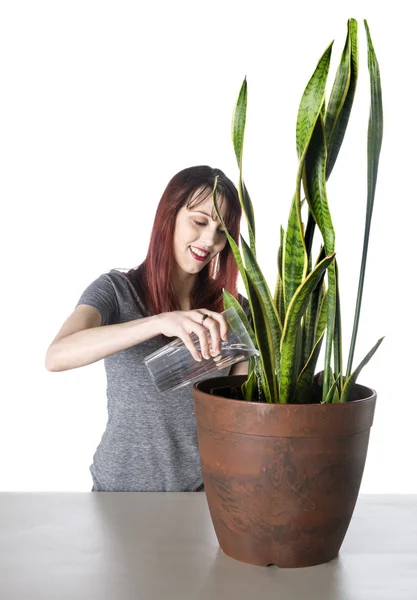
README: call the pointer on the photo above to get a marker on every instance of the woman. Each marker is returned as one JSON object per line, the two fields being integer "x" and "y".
{"x": 150, "y": 441}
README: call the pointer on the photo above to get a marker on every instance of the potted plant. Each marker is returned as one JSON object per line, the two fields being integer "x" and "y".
{"x": 283, "y": 449}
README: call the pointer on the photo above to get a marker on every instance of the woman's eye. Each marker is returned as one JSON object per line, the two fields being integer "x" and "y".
{"x": 204, "y": 224}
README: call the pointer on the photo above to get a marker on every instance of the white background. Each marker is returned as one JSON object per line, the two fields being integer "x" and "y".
{"x": 101, "y": 104}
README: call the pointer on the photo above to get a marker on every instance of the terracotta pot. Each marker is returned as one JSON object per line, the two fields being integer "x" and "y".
{"x": 281, "y": 480}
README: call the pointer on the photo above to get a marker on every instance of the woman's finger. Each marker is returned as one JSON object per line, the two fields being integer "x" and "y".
{"x": 214, "y": 328}
{"x": 219, "y": 318}
{"x": 201, "y": 332}
{"x": 186, "y": 338}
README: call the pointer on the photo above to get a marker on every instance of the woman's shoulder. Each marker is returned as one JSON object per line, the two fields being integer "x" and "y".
{"x": 116, "y": 284}
{"x": 124, "y": 277}
{"x": 117, "y": 272}
{"x": 130, "y": 280}
{"x": 111, "y": 279}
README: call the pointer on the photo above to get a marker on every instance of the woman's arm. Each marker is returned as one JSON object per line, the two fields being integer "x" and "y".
{"x": 82, "y": 341}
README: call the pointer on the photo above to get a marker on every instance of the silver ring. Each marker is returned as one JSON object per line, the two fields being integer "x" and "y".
{"x": 204, "y": 317}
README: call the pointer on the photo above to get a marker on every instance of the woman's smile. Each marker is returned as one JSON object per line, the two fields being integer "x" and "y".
{"x": 198, "y": 254}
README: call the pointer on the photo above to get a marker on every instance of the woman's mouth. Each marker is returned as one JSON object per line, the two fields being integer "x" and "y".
{"x": 197, "y": 256}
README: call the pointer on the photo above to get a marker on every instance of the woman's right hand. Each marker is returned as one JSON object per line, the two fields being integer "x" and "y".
{"x": 181, "y": 323}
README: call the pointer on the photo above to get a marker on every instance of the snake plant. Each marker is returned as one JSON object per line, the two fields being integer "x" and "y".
{"x": 289, "y": 326}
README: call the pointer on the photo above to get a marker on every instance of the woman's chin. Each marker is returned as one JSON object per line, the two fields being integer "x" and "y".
{"x": 191, "y": 269}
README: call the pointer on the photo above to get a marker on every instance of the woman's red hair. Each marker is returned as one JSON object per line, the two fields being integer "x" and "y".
{"x": 153, "y": 278}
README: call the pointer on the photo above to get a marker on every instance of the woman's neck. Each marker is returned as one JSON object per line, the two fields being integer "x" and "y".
{"x": 183, "y": 286}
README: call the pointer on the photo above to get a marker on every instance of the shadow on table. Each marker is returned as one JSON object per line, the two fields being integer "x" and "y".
{"x": 164, "y": 545}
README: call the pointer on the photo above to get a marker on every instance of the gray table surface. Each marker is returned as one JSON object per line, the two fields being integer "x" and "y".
{"x": 162, "y": 546}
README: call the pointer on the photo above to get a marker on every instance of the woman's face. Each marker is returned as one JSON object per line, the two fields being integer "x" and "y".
{"x": 197, "y": 237}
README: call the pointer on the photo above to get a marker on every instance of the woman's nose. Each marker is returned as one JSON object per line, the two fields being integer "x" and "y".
{"x": 209, "y": 240}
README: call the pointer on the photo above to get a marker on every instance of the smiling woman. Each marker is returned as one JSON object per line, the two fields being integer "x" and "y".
{"x": 172, "y": 277}
{"x": 198, "y": 239}
{"x": 150, "y": 441}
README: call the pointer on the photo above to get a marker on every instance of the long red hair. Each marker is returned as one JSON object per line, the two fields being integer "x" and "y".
{"x": 153, "y": 278}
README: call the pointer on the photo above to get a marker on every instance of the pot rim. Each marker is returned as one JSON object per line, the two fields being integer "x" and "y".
{"x": 320, "y": 405}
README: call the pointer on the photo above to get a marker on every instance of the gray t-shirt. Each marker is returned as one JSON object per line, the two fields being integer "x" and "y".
{"x": 150, "y": 442}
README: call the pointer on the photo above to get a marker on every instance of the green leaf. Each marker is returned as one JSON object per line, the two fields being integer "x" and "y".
{"x": 338, "y": 368}
{"x": 279, "y": 286}
{"x": 311, "y": 102}
{"x": 233, "y": 245}
{"x": 332, "y": 395}
{"x": 309, "y": 236}
{"x": 295, "y": 311}
{"x": 375, "y": 131}
{"x": 314, "y": 182}
{"x": 298, "y": 364}
{"x": 265, "y": 345}
{"x": 255, "y": 274}
{"x": 331, "y": 318}
{"x": 249, "y": 386}
{"x": 261, "y": 328}
{"x": 238, "y": 133}
{"x": 279, "y": 300}
{"x": 311, "y": 316}
{"x": 247, "y": 206}
{"x": 294, "y": 256}
{"x": 295, "y": 252}
{"x": 322, "y": 320}
{"x": 351, "y": 380}
{"x": 342, "y": 96}
{"x": 238, "y": 122}
{"x": 305, "y": 379}
{"x": 253, "y": 269}
{"x": 228, "y": 301}
{"x": 281, "y": 245}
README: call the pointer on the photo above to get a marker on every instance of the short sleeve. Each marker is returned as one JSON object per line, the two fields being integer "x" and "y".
{"x": 102, "y": 295}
